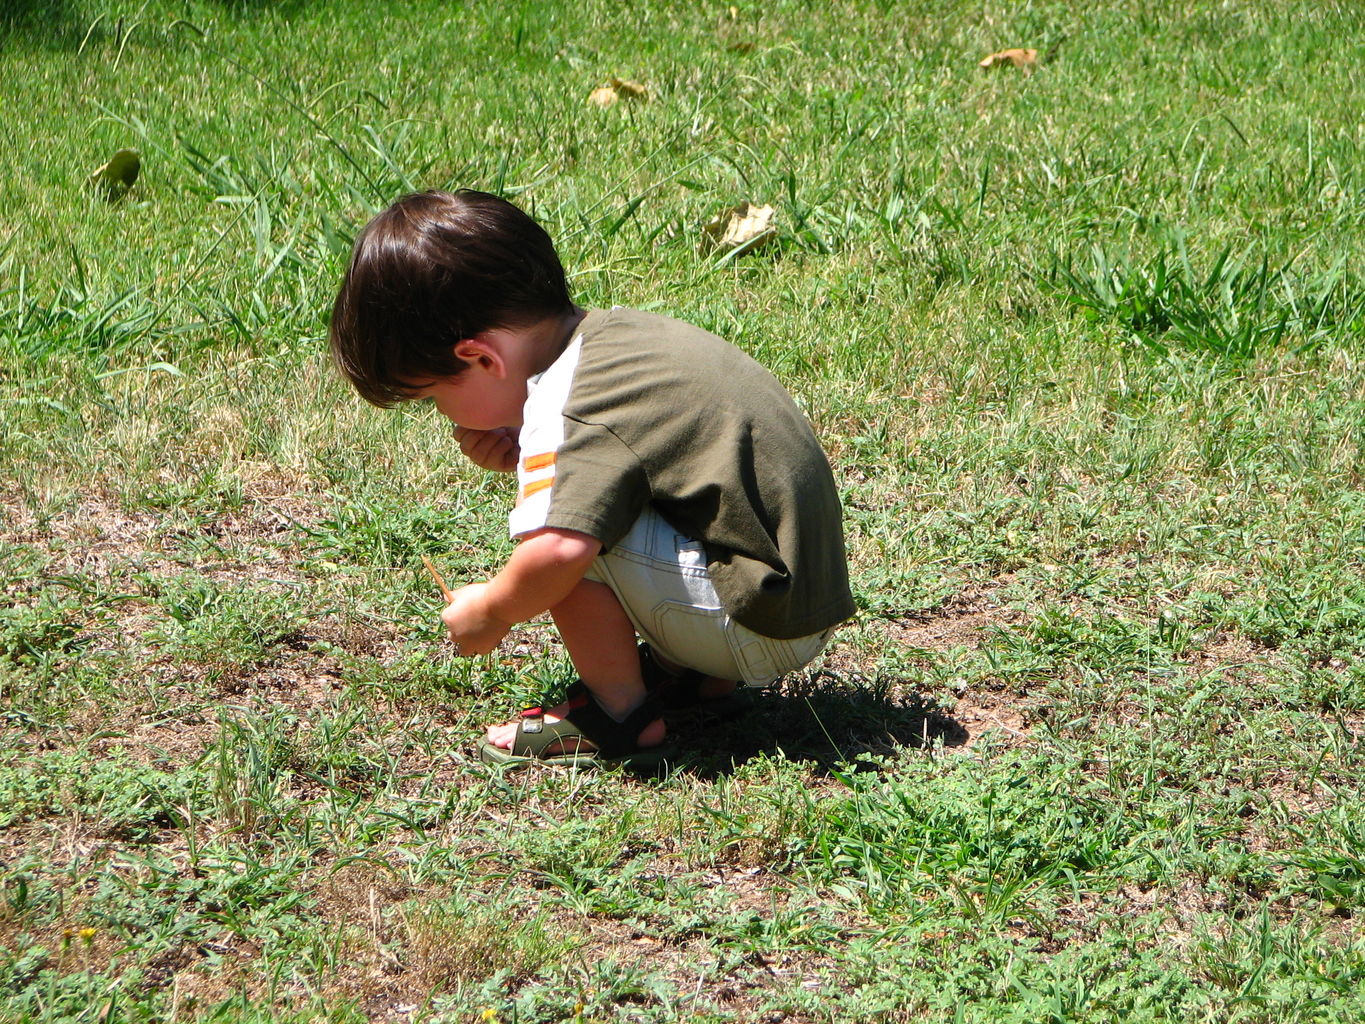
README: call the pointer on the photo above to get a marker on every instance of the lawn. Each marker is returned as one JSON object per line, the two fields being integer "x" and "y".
{"x": 1083, "y": 341}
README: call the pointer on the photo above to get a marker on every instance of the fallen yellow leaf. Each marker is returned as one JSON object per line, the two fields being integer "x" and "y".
{"x": 745, "y": 225}
{"x": 627, "y": 89}
{"x": 1027, "y": 60}
{"x": 617, "y": 89}
{"x": 117, "y": 176}
{"x": 603, "y": 97}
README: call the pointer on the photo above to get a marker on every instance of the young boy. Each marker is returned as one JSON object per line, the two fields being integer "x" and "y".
{"x": 668, "y": 487}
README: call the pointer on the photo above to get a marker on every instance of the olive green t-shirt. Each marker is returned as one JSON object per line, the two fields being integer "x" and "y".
{"x": 642, "y": 410}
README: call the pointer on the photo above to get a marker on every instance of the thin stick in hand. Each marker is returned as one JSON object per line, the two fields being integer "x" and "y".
{"x": 445, "y": 591}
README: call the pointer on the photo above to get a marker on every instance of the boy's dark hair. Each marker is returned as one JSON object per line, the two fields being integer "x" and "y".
{"x": 431, "y": 270}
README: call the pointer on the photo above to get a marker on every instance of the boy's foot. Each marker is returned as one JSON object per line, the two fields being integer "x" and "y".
{"x": 579, "y": 732}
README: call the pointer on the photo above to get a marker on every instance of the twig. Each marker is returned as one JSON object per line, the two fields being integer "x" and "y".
{"x": 445, "y": 591}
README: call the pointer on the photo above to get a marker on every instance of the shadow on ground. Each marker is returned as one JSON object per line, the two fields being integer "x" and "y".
{"x": 42, "y": 21}
{"x": 826, "y": 721}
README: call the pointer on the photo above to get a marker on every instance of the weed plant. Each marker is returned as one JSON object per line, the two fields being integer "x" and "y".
{"x": 1084, "y": 346}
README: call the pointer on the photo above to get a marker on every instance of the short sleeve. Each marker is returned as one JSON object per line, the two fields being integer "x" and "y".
{"x": 591, "y": 482}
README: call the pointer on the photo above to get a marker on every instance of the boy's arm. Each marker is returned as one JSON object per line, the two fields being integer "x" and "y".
{"x": 544, "y": 568}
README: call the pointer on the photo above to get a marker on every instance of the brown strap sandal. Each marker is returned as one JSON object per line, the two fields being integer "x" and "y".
{"x": 586, "y": 737}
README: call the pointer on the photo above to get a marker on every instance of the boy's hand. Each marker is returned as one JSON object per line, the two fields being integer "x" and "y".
{"x": 544, "y": 569}
{"x": 492, "y": 449}
{"x": 473, "y": 629}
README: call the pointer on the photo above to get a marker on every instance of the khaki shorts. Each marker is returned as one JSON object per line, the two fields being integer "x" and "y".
{"x": 661, "y": 579}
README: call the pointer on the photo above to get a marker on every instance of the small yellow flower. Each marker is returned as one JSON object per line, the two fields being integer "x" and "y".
{"x": 88, "y": 934}
{"x": 489, "y": 1014}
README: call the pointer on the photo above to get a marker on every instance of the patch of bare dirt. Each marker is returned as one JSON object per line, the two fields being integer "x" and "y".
{"x": 960, "y": 719}
{"x": 959, "y": 621}
{"x": 738, "y": 984}
{"x": 1232, "y": 655}
{"x": 1001, "y": 720}
{"x": 1229, "y": 648}
{"x": 100, "y": 538}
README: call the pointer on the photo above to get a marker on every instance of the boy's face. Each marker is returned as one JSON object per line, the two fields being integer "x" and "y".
{"x": 490, "y": 391}
{"x": 477, "y": 401}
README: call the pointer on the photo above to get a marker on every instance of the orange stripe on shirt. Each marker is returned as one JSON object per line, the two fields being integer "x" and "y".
{"x": 536, "y": 485}
{"x": 534, "y": 462}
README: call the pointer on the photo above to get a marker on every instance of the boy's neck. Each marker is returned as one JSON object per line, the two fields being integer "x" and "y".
{"x": 548, "y": 339}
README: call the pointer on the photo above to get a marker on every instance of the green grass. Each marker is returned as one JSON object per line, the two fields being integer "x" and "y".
{"x": 1084, "y": 346}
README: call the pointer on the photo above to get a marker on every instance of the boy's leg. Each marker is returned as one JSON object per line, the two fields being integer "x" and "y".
{"x": 600, "y": 640}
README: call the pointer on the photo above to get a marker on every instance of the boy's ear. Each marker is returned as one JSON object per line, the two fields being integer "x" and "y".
{"x": 484, "y": 353}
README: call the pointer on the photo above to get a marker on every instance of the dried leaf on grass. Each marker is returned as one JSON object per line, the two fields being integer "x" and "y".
{"x": 603, "y": 97}
{"x": 745, "y": 225}
{"x": 117, "y": 176}
{"x": 617, "y": 89}
{"x": 1026, "y": 60}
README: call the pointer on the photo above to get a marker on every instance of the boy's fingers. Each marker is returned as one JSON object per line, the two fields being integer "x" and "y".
{"x": 474, "y": 440}
{"x": 491, "y": 449}
{"x": 482, "y": 454}
{"x": 470, "y": 449}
